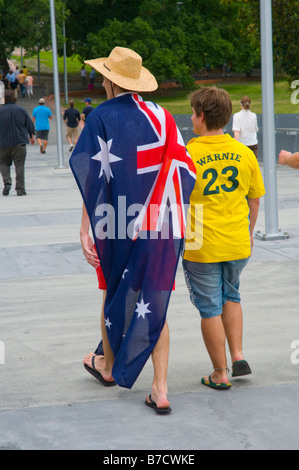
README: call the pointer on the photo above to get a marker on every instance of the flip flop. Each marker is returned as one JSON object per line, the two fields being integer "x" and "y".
{"x": 97, "y": 374}
{"x": 210, "y": 383}
{"x": 240, "y": 368}
{"x": 153, "y": 405}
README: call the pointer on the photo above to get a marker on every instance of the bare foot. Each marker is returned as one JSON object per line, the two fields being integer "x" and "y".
{"x": 218, "y": 377}
{"x": 98, "y": 364}
{"x": 161, "y": 401}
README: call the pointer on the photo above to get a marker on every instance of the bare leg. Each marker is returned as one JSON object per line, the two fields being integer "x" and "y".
{"x": 232, "y": 319}
{"x": 160, "y": 356}
{"x": 104, "y": 363}
{"x": 214, "y": 337}
{"x": 108, "y": 354}
{"x": 40, "y": 142}
{"x": 45, "y": 144}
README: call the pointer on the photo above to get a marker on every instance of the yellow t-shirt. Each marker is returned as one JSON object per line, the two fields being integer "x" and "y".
{"x": 218, "y": 219}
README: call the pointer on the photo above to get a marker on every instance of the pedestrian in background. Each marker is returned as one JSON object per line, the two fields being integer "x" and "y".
{"x": 40, "y": 116}
{"x": 29, "y": 85}
{"x": 87, "y": 110}
{"x": 21, "y": 80}
{"x": 92, "y": 77}
{"x": 72, "y": 118}
{"x": 245, "y": 126}
{"x": 83, "y": 75}
{"x": 12, "y": 82}
{"x": 15, "y": 127}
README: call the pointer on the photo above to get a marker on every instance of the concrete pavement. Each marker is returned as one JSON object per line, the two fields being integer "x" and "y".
{"x": 50, "y": 318}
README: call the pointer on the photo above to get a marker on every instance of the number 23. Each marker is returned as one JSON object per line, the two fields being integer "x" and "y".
{"x": 214, "y": 175}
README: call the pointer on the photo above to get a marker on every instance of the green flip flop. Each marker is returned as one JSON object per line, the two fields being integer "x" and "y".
{"x": 210, "y": 383}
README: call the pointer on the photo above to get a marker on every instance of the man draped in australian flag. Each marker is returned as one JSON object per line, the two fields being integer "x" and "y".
{"x": 135, "y": 177}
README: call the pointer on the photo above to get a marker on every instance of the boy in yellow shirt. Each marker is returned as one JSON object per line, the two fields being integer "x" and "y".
{"x": 228, "y": 187}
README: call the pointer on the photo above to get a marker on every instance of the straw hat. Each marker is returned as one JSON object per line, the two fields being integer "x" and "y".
{"x": 124, "y": 68}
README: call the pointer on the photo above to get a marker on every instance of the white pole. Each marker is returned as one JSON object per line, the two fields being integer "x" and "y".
{"x": 66, "y": 98}
{"x": 56, "y": 88}
{"x": 269, "y": 150}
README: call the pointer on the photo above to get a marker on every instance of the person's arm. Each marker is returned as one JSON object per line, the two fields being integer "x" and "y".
{"x": 86, "y": 241}
{"x": 288, "y": 158}
{"x": 237, "y": 135}
{"x": 236, "y": 127}
{"x": 253, "y": 204}
{"x": 30, "y": 128}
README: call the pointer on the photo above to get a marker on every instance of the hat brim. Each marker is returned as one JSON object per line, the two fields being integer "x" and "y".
{"x": 145, "y": 82}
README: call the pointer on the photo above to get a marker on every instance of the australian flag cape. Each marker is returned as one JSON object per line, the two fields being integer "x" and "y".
{"x": 135, "y": 177}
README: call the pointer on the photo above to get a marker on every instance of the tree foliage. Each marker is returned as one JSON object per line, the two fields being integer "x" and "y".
{"x": 27, "y": 24}
{"x": 285, "y": 35}
{"x": 175, "y": 38}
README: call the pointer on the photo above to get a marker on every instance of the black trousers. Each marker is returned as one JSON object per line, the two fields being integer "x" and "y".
{"x": 17, "y": 155}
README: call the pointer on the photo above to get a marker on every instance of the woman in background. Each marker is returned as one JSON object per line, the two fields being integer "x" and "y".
{"x": 245, "y": 126}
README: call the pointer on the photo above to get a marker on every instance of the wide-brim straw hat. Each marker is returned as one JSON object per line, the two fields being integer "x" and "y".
{"x": 124, "y": 68}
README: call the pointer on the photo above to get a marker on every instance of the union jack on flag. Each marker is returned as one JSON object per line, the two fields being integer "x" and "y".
{"x": 135, "y": 177}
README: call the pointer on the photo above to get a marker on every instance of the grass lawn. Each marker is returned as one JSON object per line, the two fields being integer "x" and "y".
{"x": 73, "y": 63}
{"x": 176, "y": 100}
{"x": 178, "y": 103}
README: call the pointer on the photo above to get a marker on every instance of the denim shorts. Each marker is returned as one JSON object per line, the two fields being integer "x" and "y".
{"x": 212, "y": 284}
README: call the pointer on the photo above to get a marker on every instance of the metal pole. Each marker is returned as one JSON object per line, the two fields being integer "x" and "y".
{"x": 269, "y": 148}
{"x": 56, "y": 88}
{"x": 38, "y": 64}
{"x": 66, "y": 98}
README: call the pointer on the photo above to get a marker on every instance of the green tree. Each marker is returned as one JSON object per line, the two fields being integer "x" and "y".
{"x": 241, "y": 30}
{"x": 27, "y": 24}
{"x": 285, "y": 36}
{"x": 175, "y": 39}
{"x": 285, "y": 18}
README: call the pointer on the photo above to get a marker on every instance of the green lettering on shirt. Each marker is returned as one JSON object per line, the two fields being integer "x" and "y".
{"x": 202, "y": 161}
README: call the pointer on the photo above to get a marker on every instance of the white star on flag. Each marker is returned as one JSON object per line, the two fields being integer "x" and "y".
{"x": 142, "y": 309}
{"x": 107, "y": 323}
{"x": 124, "y": 273}
{"x": 105, "y": 157}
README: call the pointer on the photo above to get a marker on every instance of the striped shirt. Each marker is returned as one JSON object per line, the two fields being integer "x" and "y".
{"x": 15, "y": 126}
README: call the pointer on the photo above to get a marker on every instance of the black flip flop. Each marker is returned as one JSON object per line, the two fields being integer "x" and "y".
{"x": 240, "y": 368}
{"x": 97, "y": 374}
{"x": 152, "y": 404}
